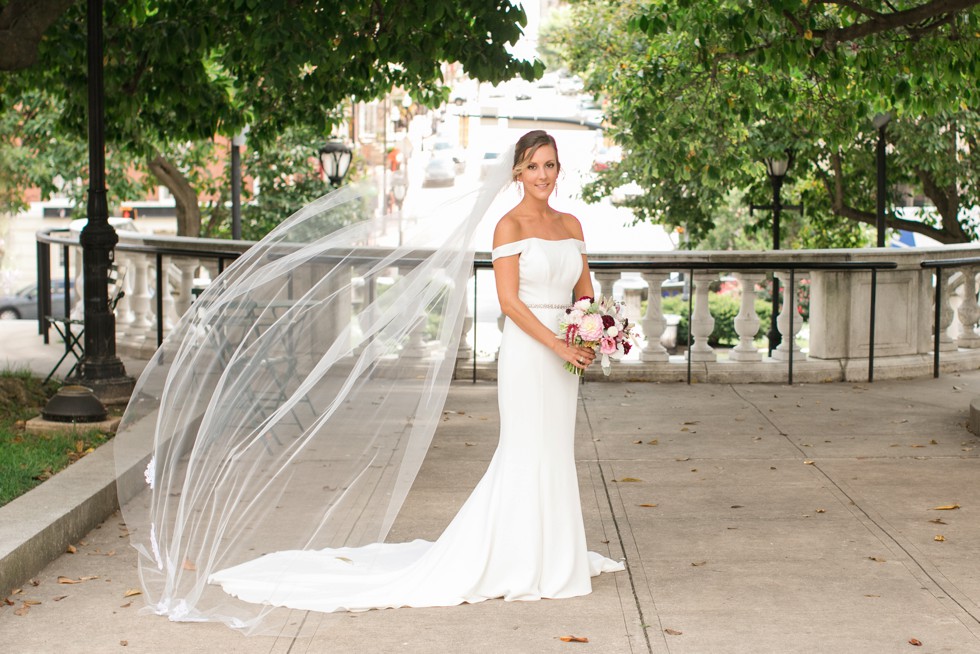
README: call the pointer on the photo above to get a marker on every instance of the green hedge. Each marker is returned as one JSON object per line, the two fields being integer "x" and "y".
{"x": 723, "y": 308}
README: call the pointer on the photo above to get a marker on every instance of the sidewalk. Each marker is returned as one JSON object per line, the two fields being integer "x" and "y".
{"x": 752, "y": 518}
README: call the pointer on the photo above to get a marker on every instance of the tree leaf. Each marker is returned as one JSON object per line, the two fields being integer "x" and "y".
{"x": 573, "y": 639}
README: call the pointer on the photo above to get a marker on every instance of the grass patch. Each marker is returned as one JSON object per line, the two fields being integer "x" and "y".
{"x": 28, "y": 459}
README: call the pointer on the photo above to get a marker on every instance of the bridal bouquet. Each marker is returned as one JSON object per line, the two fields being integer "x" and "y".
{"x": 598, "y": 323}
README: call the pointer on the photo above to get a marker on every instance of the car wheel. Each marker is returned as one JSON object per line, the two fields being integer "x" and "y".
{"x": 8, "y": 313}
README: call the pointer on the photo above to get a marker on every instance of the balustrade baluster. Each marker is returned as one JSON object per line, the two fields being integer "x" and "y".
{"x": 606, "y": 279}
{"x": 169, "y": 308}
{"x": 124, "y": 307}
{"x": 653, "y": 320}
{"x": 946, "y": 342}
{"x": 747, "y": 321}
{"x": 968, "y": 312}
{"x": 186, "y": 296}
{"x": 701, "y": 323}
{"x": 142, "y": 320}
{"x": 781, "y": 353}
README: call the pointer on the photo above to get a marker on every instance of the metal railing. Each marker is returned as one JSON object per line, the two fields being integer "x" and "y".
{"x": 939, "y": 264}
{"x": 691, "y": 267}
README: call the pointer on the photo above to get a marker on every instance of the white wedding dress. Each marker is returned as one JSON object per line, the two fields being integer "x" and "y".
{"x": 519, "y": 536}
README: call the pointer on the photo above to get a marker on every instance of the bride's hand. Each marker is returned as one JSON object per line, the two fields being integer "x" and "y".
{"x": 580, "y": 357}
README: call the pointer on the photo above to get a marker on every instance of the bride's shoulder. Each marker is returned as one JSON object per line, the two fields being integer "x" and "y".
{"x": 508, "y": 230}
{"x": 573, "y": 226}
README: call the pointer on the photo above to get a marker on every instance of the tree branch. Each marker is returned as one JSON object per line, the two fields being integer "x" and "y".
{"x": 185, "y": 198}
{"x": 22, "y": 25}
{"x": 835, "y": 189}
{"x": 909, "y": 18}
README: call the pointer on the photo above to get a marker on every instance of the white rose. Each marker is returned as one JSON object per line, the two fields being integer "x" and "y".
{"x": 583, "y": 304}
{"x": 612, "y": 331}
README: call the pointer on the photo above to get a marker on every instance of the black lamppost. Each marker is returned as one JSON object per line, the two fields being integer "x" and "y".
{"x": 881, "y": 122}
{"x": 335, "y": 158}
{"x": 237, "y": 142}
{"x": 777, "y": 168}
{"x": 99, "y": 369}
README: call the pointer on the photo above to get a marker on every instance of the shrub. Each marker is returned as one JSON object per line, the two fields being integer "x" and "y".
{"x": 724, "y": 309}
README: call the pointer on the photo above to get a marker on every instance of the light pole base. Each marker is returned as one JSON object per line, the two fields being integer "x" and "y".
{"x": 114, "y": 391}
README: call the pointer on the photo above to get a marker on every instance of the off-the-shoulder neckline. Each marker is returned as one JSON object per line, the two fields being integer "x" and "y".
{"x": 538, "y": 238}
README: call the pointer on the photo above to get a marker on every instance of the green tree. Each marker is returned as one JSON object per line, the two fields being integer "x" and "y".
{"x": 700, "y": 92}
{"x": 179, "y": 72}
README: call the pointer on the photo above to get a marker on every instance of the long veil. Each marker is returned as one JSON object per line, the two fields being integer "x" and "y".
{"x": 292, "y": 405}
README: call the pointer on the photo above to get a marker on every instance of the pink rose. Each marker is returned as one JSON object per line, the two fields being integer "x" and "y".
{"x": 607, "y": 346}
{"x": 591, "y": 327}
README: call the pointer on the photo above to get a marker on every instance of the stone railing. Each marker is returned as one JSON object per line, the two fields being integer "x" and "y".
{"x": 837, "y": 337}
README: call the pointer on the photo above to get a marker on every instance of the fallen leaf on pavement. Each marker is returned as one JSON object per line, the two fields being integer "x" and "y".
{"x": 66, "y": 580}
{"x": 655, "y": 441}
{"x": 808, "y": 462}
{"x": 58, "y": 598}
{"x": 647, "y": 506}
{"x": 821, "y": 510}
{"x": 126, "y": 605}
{"x": 22, "y": 611}
{"x": 938, "y": 521}
{"x": 946, "y": 507}
{"x": 673, "y": 632}
{"x": 573, "y": 639}
{"x": 71, "y": 549}
{"x": 31, "y": 602}
{"x": 915, "y": 641}
{"x": 876, "y": 559}
{"x": 628, "y": 479}
{"x": 187, "y": 565}
{"x": 132, "y": 591}
{"x": 124, "y": 643}
{"x": 939, "y": 538}
{"x": 698, "y": 564}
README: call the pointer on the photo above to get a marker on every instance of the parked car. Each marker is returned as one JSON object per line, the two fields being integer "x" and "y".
{"x": 588, "y": 111}
{"x": 447, "y": 149}
{"x": 570, "y": 85}
{"x": 23, "y": 303}
{"x": 487, "y": 162}
{"x": 604, "y": 157}
{"x": 440, "y": 171}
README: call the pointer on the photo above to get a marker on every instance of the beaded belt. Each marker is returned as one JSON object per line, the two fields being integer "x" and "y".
{"x": 548, "y": 306}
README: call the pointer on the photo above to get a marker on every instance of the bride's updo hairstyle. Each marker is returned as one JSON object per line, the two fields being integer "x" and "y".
{"x": 527, "y": 145}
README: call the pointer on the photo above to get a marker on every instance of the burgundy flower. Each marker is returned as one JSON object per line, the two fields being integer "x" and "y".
{"x": 626, "y": 347}
{"x": 608, "y": 321}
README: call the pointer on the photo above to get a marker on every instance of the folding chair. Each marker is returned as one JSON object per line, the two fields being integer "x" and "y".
{"x": 75, "y": 340}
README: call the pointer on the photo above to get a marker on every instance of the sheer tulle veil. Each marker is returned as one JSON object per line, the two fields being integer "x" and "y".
{"x": 292, "y": 405}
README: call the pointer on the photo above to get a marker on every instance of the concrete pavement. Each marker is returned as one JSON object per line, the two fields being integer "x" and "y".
{"x": 752, "y": 518}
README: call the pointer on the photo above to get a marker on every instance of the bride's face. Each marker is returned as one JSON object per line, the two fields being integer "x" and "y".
{"x": 540, "y": 173}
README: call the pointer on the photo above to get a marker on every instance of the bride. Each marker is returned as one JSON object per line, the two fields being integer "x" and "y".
{"x": 230, "y": 469}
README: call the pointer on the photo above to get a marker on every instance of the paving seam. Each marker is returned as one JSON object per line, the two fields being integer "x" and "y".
{"x": 620, "y": 537}
{"x": 916, "y": 568}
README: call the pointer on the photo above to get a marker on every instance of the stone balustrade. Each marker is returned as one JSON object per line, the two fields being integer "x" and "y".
{"x": 837, "y": 335}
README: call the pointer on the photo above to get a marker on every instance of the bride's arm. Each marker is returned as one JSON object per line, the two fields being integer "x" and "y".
{"x": 506, "y": 273}
{"x": 583, "y": 287}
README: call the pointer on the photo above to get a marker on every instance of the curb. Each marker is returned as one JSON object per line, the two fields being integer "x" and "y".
{"x": 37, "y": 527}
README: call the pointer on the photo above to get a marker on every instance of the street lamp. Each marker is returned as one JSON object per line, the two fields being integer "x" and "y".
{"x": 335, "y": 158}
{"x": 776, "y": 167}
{"x": 237, "y": 142}
{"x": 99, "y": 369}
{"x": 880, "y": 122}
